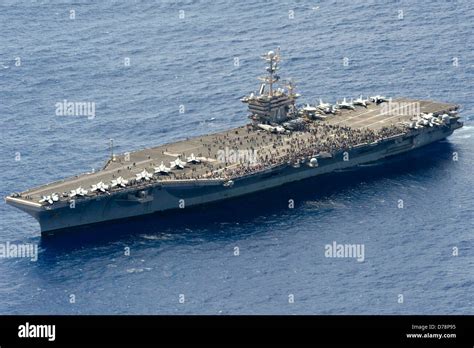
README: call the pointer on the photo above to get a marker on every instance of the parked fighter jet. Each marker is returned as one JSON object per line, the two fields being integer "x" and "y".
{"x": 271, "y": 129}
{"x": 361, "y": 102}
{"x": 50, "y": 199}
{"x": 178, "y": 164}
{"x": 345, "y": 105}
{"x": 327, "y": 108}
{"x": 377, "y": 99}
{"x": 162, "y": 169}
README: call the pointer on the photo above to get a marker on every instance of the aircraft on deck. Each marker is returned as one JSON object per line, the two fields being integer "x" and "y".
{"x": 119, "y": 182}
{"x": 193, "y": 159}
{"x": 377, "y": 99}
{"x": 345, "y": 105}
{"x": 178, "y": 164}
{"x": 50, "y": 199}
{"x": 360, "y": 101}
{"x": 162, "y": 169}
{"x": 271, "y": 129}
{"x": 100, "y": 186}
{"x": 327, "y": 108}
{"x": 78, "y": 192}
{"x": 143, "y": 175}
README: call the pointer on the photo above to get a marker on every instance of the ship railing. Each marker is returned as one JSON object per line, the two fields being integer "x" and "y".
{"x": 210, "y": 181}
{"x": 259, "y": 171}
{"x": 393, "y": 136}
{"x": 360, "y": 145}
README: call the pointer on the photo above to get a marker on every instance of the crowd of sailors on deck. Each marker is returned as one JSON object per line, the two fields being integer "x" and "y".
{"x": 323, "y": 139}
{"x": 272, "y": 149}
{"x": 275, "y": 149}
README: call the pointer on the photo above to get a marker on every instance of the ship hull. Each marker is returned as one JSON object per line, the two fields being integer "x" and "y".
{"x": 173, "y": 196}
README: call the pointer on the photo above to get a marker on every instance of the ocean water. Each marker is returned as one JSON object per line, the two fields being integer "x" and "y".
{"x": 403, "y": 48}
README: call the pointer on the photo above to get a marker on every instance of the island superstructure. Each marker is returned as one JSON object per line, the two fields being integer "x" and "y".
{"x": 282, "y": 142}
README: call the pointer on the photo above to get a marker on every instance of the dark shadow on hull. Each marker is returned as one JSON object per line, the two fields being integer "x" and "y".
{"x": 247, "y": 208}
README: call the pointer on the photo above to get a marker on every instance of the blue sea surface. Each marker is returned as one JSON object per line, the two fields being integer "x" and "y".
{"x": 254, "y": 254}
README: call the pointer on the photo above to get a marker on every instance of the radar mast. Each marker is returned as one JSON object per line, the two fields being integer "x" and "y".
{"x": 271, "y": 105}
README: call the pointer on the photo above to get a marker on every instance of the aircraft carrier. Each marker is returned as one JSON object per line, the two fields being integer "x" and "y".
{"x": 282, "y": 142}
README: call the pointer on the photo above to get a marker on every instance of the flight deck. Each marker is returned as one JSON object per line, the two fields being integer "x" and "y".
{"x": 208, "y": 148}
